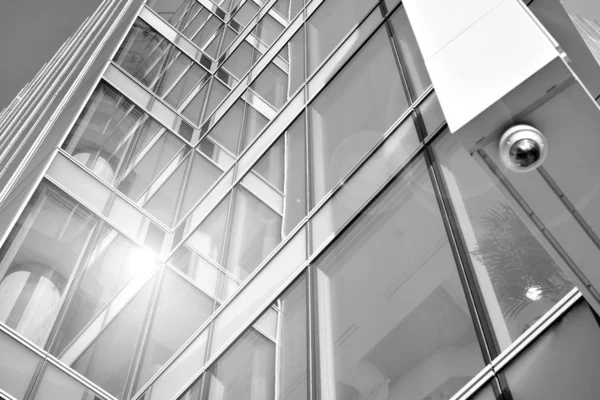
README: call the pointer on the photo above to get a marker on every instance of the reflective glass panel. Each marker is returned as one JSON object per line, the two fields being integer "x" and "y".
{"x": 174, "y": 11}
{"x": 208, "y": 238}
{"x": 108, "y": 126}
{"x": 519, "y": 279}
{"x": 271, "y": 165}
{"x": 254, "y": 122}
{"x": 272, "y": 86}
{"x": 207, "y": 31}
{"x": 563, "y": 363}
{"x": 295, "y": 52}
{"x": 17, "y": 366}
{"x": 256, "y": 230}
{"x": 106, "y": 357}
{"x": 267, "y": 30}
{"x": 354, "y": 111}
{"x": 149, "y": 164}
{"x": 56, "y": 384}
{"x": 242, "y": 59}
{"x": 38, "y": 259}
{"x": 245, "y": 14}
{"x": 179, "y": 311}
{"x": 411, "y": 55}
{"x": 114, "y": 269}
{"x": 199, "y": 19}
{"x": 432, "y": 114}
{"x": 227, "y": 131}
{"x": 150, "y": 58}
{"x": 202, "y": 271}
{"x": 185, "y": 85}
{"x": 391, "y": 307}
{"x": 329, "y": 24}
{"x": 183, "y": 189}
{"x": 250, "y": 368}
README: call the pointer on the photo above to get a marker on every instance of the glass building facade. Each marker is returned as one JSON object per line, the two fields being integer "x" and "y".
{"x": 281, "y": 199}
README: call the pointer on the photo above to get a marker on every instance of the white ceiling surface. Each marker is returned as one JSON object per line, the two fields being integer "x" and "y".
{"x": 471, "y": 61}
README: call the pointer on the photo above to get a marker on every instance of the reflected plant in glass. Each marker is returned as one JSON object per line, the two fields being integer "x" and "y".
{"x": 520, "y": 269}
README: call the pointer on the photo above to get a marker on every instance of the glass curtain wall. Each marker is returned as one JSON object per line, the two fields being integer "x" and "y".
{"x": 416, "y": 271}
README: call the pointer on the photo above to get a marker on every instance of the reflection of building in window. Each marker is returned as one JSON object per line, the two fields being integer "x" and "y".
{"x": 39, "y": 262}
{"x": 590, "y": 32}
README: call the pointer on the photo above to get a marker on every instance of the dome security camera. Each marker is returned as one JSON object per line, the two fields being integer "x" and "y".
{"x": 522, "y": 148}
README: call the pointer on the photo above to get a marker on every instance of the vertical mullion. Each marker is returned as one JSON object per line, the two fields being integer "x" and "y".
{"x": 483, "y": 327}
{"x": 312, "y": 334}
{"x": 406, "y": 83}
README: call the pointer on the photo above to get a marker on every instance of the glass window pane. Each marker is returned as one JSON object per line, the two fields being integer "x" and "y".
{"x": 213, "y": 48}
{"x": 256, "y": 230}
{"x": 17, "y": 366}
{"x": 200, "y": 270}
{"x": 218, "y": 92}
{"x": 329, "y": 24}
{"x": 193, "y": 110}
{"x": 180, "y": 310}
{"x": 354, "y": 112}
{"x": 344, "y": 52}
{"x": 170, "y": 68}
{"x": 295, "y": 50}
{"x": 55, "y": 384}
{"x": 104, "y": 131}
{"x": 185, "y": 85}
{"x": 115, "y": 267}
{"x": 254, "y": 122}
{"x": 272, "y": 86}
{"x": 432, "y": 114}
{"x": 227, "y": 131}
{"x": 245, "y": 14}
{"x": 519, "y": 279}
{"x": 391, "y": 3}
{"x": 230, "y": 36}
{"x": 355, "y": 192}
{"x": 38, "y": 258}
{"x": 196, "y": 23}
{"x": 207, "y": 31}
{"x": 247, "y": 370}
{"x": 292, "y": 338}
{"x": 240, "y": 61}
{"x": 385, "y": 324}
{"x": 267, "y": 30}
{"x": 295, "y": 175}
{"x": 172, "y": 10}
{"x": 411, "y": 55}
{"x": 183, "y": 189}
{"x": 147, "y": 55}
{"x": 180, "y": 372}
{"x": 563, "y": 363}
{"x": 201, "y": 177}
{"x": 207, "y": 239}
{"x": 271, "y": 165}
{"x": 264, "y": 285}
{"x": 107, "y": 360}
{"x": 145, "y": 168}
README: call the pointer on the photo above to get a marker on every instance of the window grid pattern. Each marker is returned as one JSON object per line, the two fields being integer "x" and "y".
{"x": 200, "y": 258}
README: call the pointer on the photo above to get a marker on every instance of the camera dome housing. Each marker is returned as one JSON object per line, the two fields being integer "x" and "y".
{"x": 522, "y": 148}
